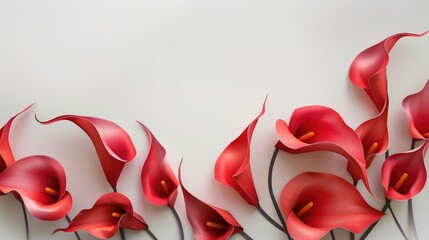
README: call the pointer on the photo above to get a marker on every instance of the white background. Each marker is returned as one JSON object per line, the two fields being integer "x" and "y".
{"x": 196, "y": 73}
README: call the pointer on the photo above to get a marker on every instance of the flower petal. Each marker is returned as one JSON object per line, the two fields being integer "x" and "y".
{"x": 410, "y": 163}
{"x": 335, "y": 203}
{"x": 112, "y": 143}
{"x": 158, "y": 180}
{"x": 29, "y": 177}
{"x": 415, "y": 107}
{"x": 233, "y": 165}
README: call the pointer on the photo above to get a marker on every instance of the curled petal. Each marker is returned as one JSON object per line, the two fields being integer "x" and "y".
{"x": 315, "y": 203}
{"x": 233, "y": 165}
{"x": 404, "y": 174}
{"x": 158, "y": 180}
{"x": 415, "y": 107}
{"x": 112, "y": 143}
{"x": 40, "y": 181}
{"x": 208, "y": 222}
{"x": 109, "y": 213}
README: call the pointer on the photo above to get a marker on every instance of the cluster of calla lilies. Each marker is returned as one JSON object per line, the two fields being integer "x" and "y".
{"x": 309, "y": 206}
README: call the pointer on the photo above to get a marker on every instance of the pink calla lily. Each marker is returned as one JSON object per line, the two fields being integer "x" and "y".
{"x": 315, "y": 203}
{"x": 112, "y": 143}
{"x": 40, "y": 181}
{"x": 417, "y": 111}
{"x": 109, "y": 213}
{"x": 233, "y": 165}
{"x": 404, "y": 174}
{"x": 208, "y": 222}
{"x": 158, "y": 180}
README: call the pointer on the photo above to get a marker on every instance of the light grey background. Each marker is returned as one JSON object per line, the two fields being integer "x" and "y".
{"x": 196, "y": 73}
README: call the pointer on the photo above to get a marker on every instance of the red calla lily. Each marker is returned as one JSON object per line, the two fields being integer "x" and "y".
{"x": 319, "y": 128}
{"x": 40, "y": 181}
{"x": 233, "y": 165}
{"x": 315, "y": 203}
{"x": 404, "y": 174}
{"x": 109, "y": 213}
{"x": 112, "y": 143}
{"x": 208, "y": 222}
{"x": 417, "y": 111}
{"x": 158, "y": 180}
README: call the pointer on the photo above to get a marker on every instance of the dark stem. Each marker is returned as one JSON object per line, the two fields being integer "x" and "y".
{"x": 386, "y": 154}
{"x": 114, "y": 189}
{"x": 352, "y": 235}
{"x": 332, "y": 234}
{"x": 411, "y": 218}
{"x": 75, "y": 233}
{"x": 151, "y": 234}
{"x": 122, "y": 232}
{"x": 247, "y": 237}
{"x": 270, "y": 187}
{"x": 179, "y": 222}
{"x": 397, "y": 223}
{"x": 27, "y": 229}
{"x": 368, "y": 231}
{"x": 274, "y": 223}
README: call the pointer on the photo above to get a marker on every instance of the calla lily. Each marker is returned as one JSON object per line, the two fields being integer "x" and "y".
{"x": 158, "y": 180}
{"x": 112, "y": 143}
{"x": 319, "y": 128}
{"x": 416, "y": 109}
{"x": 233, "y": 165}
{"x": 404, "y": 174}
{"x": 40, "y": 181}
{"x": 315, "y": 203}
{"x": 109, "y": 213}
{"x": 208, "y": 222}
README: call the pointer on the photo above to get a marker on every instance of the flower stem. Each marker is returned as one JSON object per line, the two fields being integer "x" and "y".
{"x": 397, "y": 223}
{"x": 352, "y": 235}
{"x": 368, "y": 231}
{"x": 246, "y": 236}
{"x": 122, "y": 233}
{"x": 410, "y": 204}
{"x": 270, "y": 187}
{"x": 27, "y": 229}
{"x": 274, "y": 223}
{"x": 179, "y": 222}
{"x": 332, "y": 234}
{"x": 75, "y": 232}
{"x": 151, "y": 234}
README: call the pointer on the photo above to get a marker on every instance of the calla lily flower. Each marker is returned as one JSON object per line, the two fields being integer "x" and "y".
{"x": 315, "y": 203}
{"x": 404, "y": 174}
{"x": 233, "y": 165}
{"x": 112, "y": 143}
{"x": 40, "y": 181}
{"x": 158, "y": 180}
{"x": 208, "y": 222}
{"x": 319, "y": 128}
{"x": 109, "y": 213}
{"x": 416, "y": 109}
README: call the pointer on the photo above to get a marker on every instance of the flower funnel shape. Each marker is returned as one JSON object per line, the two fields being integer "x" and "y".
{"x": 404, "y": 174}
{"x": 233, "y": 165}
{"x": 109, "y": 213}
{"x": 417, "y": 111}
{"x": 112, "y": 143}
{"x": 208, "y": 222}
{"x": 158, "y": 180}
{"x": 315, "y": 203}
{"x": 40, "y": 181}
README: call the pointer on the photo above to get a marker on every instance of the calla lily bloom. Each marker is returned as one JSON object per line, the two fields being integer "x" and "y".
{"x": 233, "y": 165}
{"x": 404, "y": 174}
{"x": 109, "y": 213}
{"x": 158, "y": 180}
{"x": 208, "y": 222}
{"x": 112, "y": 143}
{"x": 315, "y": 203}
{"x": 416, "y": 109}
{"x": 40, "y": 181}
{"x": 319, "y": 128}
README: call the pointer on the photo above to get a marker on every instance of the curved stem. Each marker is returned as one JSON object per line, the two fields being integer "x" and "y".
{"x": 332, "y": 234}
{"x": 368, "y": 231}
{"x": 247, "y": 237}
{"x": 270, "y": 187}
{"x": 411, "y": 218}
{"x": 179, "y": 222}
{"x": 274, "y": 223}
{"x": 397, "y": 223}
{"x": 75, "y": 232}
{"x": 151, "y": 234}
{"x": 27, "y": 228}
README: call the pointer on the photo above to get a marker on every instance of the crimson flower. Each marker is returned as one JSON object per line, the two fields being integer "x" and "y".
{"x": 112, "y": 143}
{"x": 319, "y": 128}
{"x": 109, "y": 213}
{"x": 158, "y": 180}
{"x": 315, "y": 203}
{"x": 404, "y": 174}
{"x": 233, "y": 165}
{"x": 208, "y": 222}
{"x": 40, "y": 181}
{"x": 416, "y": 109}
